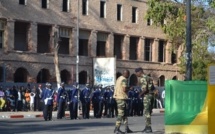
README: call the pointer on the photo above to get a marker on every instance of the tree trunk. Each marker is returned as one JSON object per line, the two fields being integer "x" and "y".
{"x": 56, "y": 60}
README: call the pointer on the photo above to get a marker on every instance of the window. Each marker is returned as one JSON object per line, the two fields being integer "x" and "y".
{"x": 161, "y": 51}
{"x": 43, "y": 38}
{"x": 21, "y": 36}
{"x": 45, "y": 4}
{"x": 85, "y": 7}
{"x": 2, "y": 25}
{"x": 83, "y": 47}
{"x": 101, "y": 44}
{"x": 83, "y": 42}
{"x": 148, "y": 50}
{"x": 2, "y": 74}
{"x": 149, "y": 22}
{"x": 119, "y": 12}
{"x": 133, "y": 48}
{"x": 64, "y": 40}
{"x": 118, "y": 40}
{"x": 1, "y": 39}
{"x": 134, "y": 14}
{"x": 66, "y": 4}
{"x": 22, "y": 2}
{"x": 102, "y": 9}
{"x": 174, "y": 57}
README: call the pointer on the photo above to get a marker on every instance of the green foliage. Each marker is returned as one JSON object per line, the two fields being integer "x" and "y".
{"x": 203, "y": 30}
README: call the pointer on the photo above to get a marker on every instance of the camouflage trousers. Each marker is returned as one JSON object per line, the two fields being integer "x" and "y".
{"x": 122, "y": 116}
{"x": 147, "y": 108}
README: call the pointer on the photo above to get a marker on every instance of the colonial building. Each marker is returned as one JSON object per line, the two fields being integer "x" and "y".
{"x": 107, "y": 28}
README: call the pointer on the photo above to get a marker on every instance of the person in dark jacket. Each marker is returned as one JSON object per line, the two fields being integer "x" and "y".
{"x": 61, "y": 101}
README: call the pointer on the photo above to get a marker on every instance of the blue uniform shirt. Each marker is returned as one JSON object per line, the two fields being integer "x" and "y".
{"x": 85, "y": 95}
{"x": 73, "y": 95}
{"x": 61, "y": 96}
{"x": 48, "y": 94}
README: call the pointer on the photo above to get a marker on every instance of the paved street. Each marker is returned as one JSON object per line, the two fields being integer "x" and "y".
{"x": 66, "y": 126}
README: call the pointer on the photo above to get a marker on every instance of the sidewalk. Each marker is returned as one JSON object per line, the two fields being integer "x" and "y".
{"x": 39, "y": 114}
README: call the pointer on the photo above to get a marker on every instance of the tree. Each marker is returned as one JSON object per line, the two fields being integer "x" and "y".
{"x": 171, "y": 17}
{"x": 56, "y": 59}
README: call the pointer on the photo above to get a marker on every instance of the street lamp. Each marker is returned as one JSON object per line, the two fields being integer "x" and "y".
{"x": 188, "y": 74}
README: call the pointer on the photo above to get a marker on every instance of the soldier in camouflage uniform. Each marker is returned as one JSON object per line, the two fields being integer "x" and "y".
{"x": 146, "y": 92}
{"x": 120, "y": 94}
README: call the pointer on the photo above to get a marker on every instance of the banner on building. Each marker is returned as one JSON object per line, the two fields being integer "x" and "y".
{"x": 104, "y": 71}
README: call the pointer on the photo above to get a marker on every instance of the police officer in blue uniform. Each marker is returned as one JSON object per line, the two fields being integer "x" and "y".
{"x": 95, "y": 102}
{"x": 101, "y": 102}
{"x": 73, "y": 101}
{"x": 130, "y": 102}
{"x": 110, "y": 103}
{"x": 106, "y": 100}
{"x": 61, "y": 101}
{"x": 85, "y": 100}
{"x": 48, "y": 94}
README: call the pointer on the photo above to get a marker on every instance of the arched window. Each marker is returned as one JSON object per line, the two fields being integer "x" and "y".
{"x": 43, "y": 76}
{"x": 65, "y": 76}
{"x": 175, "y": 78}
{"x": 162, "y": 80}
{"x": 21, "y": 75}
{"x": 83, "y": 77}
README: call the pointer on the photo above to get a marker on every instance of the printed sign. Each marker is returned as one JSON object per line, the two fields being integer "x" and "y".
{"x": 104, "y": 71}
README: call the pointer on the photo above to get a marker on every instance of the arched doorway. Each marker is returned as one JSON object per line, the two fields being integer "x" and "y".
{"x": 118, "y": 74}
{"x": 21, "y": 75}
{"x": 65, "y": 76}
{"x": 174, "y": 78}
{"x": 162, "y": 80}
{"x": 43, "y": 76}
{"x": 133, "y": 80}
{"x": 83, "y": 77}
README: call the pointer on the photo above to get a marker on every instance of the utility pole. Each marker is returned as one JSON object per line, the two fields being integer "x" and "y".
{"x": 77, "y": 56}
{"x": 188, "y": 42}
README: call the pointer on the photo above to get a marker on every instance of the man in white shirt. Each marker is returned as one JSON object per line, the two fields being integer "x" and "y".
{"x": 32, "y": 96}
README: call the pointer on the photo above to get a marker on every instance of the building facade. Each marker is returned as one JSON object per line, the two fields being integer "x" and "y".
{"x": 107, "y": 28}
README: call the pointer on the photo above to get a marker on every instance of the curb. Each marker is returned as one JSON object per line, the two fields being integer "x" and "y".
{"x": 40, "y": 115}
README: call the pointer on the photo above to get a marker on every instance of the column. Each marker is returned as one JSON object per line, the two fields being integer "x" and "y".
{"x": 110, "y": 46}
{"x": 179, "y": 53}
{"x": 54, "y": 29}
{"x": 140, "y": 49}
{"x": 9, "y": 36}
{"x": 155, "y": 50}
{"x": 32, "y": 37}
{"x": 92, "y": 43}
{"x": 125, "y": 47}
{"x": 168, "y": 52}
{"x": 73, "y": 42}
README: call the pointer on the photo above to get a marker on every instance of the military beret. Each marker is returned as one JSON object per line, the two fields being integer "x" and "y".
{"x": 138, "y": 69}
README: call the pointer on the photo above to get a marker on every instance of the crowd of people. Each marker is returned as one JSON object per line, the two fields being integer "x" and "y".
{"x": 21, "y": 98}
{"x": 120, "y": 100}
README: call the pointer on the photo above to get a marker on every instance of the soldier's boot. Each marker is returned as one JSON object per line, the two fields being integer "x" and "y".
{"x": 118, "y": 131}
{"x": 128, "y": 130}
{"x": 147, "y": 129}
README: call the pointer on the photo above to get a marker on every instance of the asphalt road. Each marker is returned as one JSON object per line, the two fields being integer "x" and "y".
{"x": 66, "y": 126}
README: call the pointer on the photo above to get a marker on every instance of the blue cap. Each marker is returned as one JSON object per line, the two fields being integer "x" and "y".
{"x": 138, "y": 69}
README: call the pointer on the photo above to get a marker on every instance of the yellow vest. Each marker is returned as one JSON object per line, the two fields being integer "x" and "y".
{"x": 120, "y": 83}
